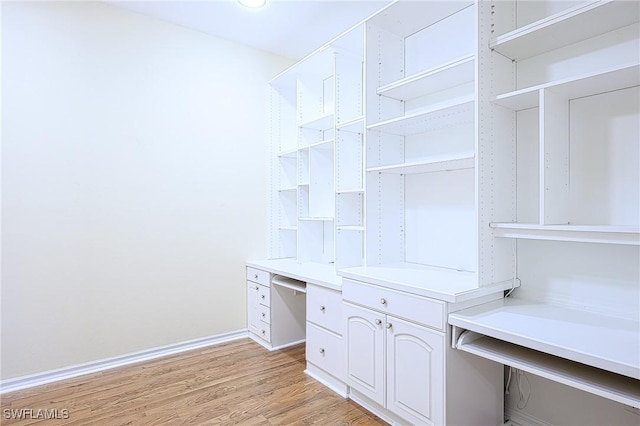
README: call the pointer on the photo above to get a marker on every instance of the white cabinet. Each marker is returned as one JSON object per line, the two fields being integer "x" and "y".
{"x": 398, "y": 363}
{"x": 412, "y": 384}
{"x": 276, "y": 309}
{"x": 325, "y": 351}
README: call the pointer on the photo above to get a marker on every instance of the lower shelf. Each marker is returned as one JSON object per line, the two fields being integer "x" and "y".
{"x": 616, "y": 387}
{"x": 578, "y": 233}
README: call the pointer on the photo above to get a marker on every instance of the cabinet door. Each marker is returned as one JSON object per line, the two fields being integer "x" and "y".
{"x": 364, "y": 339}
{"x": 415, "y": 372}
{"x": 253, "y": 305}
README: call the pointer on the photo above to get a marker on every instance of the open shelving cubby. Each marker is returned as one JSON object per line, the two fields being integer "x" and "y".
{"x": 420, "y": 135}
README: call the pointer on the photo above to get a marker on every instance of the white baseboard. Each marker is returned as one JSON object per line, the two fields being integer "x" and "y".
{"x": 24, "y": 382}
{"x": 327, "y": 380}
{"x": 521, "y": 418}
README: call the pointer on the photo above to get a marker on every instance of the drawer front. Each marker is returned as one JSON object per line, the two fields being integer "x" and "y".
{"x": 264, "y": 331}
{"x": 324, "y": 308}
{"x": 264, "y": 295}
{"x": 258, "y": 276}
{"x": 325, "y": 350}
{"x": 264, "y": 314}
{"x": 423, "y": 310}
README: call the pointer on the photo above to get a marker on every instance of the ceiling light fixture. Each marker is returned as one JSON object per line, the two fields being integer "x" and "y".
{"x": 253, "y": 4}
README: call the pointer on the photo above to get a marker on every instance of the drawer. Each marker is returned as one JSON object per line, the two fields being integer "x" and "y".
{"x": 258, "y": 276}
{"x": 264, "y": 295}
{"x": 264, "y": 331}
{"x": 423, "y": 310}
{"x": 324, "y": 308}
{"x": 264, "y": 314}
{"x": 325, "y": 350}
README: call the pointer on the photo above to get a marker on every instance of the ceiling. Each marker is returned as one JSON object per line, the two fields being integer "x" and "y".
{"x": 289, "y": 28}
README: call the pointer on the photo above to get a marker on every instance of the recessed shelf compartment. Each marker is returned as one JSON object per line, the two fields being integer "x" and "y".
{"x": 586, "y": 20}
{"x": 578, "y": 233}
{"x": 440, "y": 164}
{"x": 443, "y": 77}
{"x": 611, "y": 344}
{"x": 445, "y": 114}
{"x": 575, "y": 87}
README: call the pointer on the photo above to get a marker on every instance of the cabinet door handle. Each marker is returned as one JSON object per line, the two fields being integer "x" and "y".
{"x": 383, "y": 301}
{"x": 378, "y": 321}
{"x": 389, "y": 325}
{"x": 322, "y": 351}
{"x": 321, "y": 308}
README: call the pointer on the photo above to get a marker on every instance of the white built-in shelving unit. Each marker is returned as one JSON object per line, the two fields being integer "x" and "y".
{"x": 448, "y": 170}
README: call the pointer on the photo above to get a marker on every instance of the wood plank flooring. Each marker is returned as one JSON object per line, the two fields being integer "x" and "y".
{"x": 236, "y": 383}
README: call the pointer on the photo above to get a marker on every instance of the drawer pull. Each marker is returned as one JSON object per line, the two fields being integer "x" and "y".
{"x": 378, "y": 321}
{"x": 389, "y": 325}
{"x": 264, "y": 315}
{"x": 262, "y": 297}
{"x": 322, "y": 308}
{"x": 264, "y": 332}
{"x": 255, "y": 276}
{"x": 322, "y": 351}
{"x": 383, "y": 301}
{"x": 257, "y": 288}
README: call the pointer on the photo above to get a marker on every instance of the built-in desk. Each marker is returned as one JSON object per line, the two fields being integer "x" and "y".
{"x": 588, "y": 351}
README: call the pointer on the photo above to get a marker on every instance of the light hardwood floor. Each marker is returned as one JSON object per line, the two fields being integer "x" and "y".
{"x": 233, "y": 383}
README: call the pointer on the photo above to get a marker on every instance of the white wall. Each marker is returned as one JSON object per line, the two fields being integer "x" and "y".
{"x": 133, "y": 182}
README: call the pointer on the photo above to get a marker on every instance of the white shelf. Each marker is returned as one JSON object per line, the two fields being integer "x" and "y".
{"x": 325, "y": 144}
{"x": 356, "y": 125}
{"x": 351, "y": 191}
{"x": 440, "y": 164}
{"x": 322, "y": 122}
{"x": 351, "y": 228}
{"x": 321, "y": 219}
{"x": 439, "y": 283}
{"x": 589, "y": 379}
{"x": 581, "y": 22}
{"x": 288, "y": 228}
{"x": 289, "y": 154}
{"x": 579, "y": 233}
{"x": 289, "y": 283}
{"x": 288, "y": 189}
{"x": 446, "y": 76}
{"x": 612, "y": 344}
{"x": 445, "y": 114}
{"x": 574, "y": 87}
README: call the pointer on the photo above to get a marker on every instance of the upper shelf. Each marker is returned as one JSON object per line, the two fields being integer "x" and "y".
{"x": 460, "y": 161}
{"x": 433, "y": 80}
{"x": 578, "y": 233}
{"x": 574, "y": 87}
{"x": 583, "y": 21}
{"x": 456, "y": 111}
{"x": 356, "y": 125}
{"x": 612, "y": 344}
